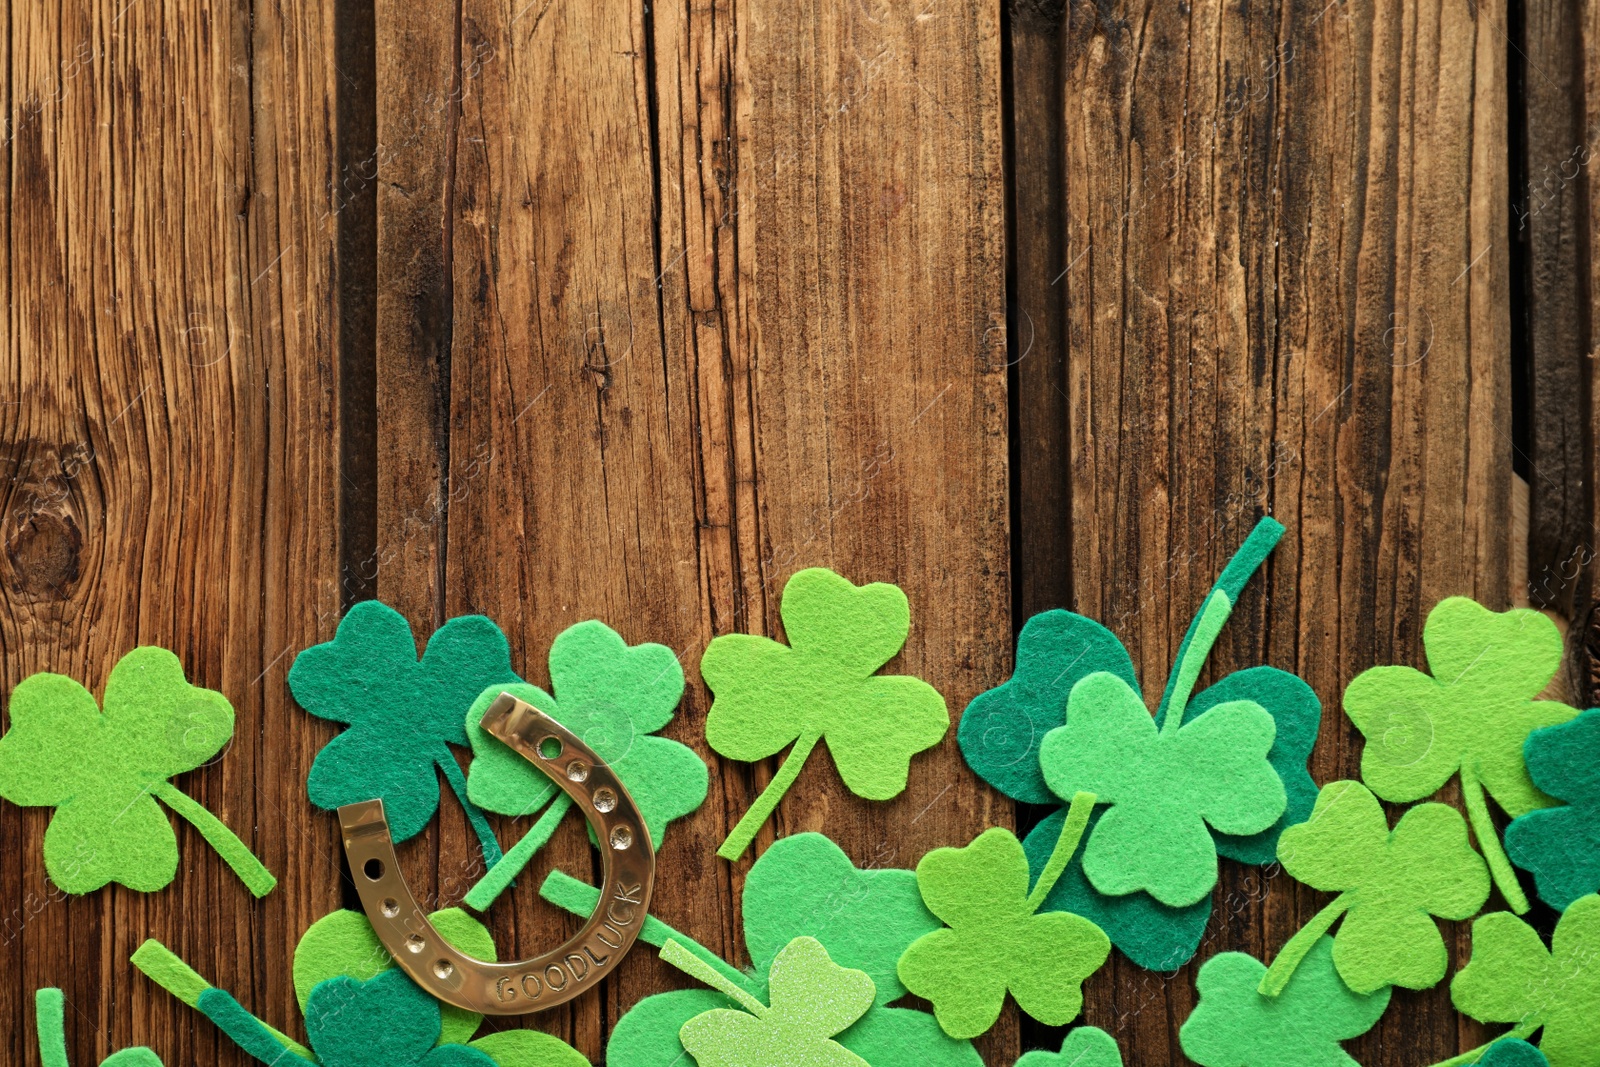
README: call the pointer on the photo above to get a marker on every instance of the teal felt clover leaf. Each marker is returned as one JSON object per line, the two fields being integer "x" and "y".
{"x": 1470, "y": 717}
{"x": 813, "y": 999}
{"x": 101, "y": 771}
{"x": 615, "y": 698}
{"x": 1234, "y": 1025}
{"x": 1087, "y": 1046}
{"x": 1391, "y": 883}
{"x": 997, "y": 939}
{"x": 50, "y": 1019}
{"x": 1561, "y": 845}
{"x": 403, "y": 713}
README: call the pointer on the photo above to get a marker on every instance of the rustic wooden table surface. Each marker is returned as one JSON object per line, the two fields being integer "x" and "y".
{"x": 561, "y": 309}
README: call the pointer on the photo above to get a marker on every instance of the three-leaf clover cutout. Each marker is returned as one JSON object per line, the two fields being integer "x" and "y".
{"x": 403, "y": 713}
{"x": 822, "y": 685}
{"x": 50, "y": 1020}
{"x": 997, "y": 939}
{"x": 1561, "y": 845}
{"x": 613, "y": 697}
{"x": 1390, "y": 884}
{"x": 1470, "y": 716}
{"x": 102, "y": 770}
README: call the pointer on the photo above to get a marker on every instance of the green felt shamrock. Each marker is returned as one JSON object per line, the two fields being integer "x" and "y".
{"x": 1513, "y": 1052}
{"x": 1561, "y": 846}
{"x": 1087, "y": 1046}
{"x": 1512, "y": 978}
{"x": 403, "y": 712}
{"x": 822, "y": 685}
{"x": 101, "y": 770}
{"x": 1235, "y": 1026}
{"x": 51, "y": 1021}
{"x": 998, "y": 940}
{"x": 615, "y": 698}
{"x": 813, "y": 999}
{"x": 1390, "y": 885}
{"x": 803, "y": 886}
{"x": 1471, "y": 717}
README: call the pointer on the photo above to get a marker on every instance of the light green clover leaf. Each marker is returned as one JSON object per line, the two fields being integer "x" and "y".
{"x": 613, "y": 697}
{"x": 997, "y": 940}
{"x": 822, "y": 685}
{"x": 101, "y": 770}
{"x": 1086, "y": 1046}
{"x": 50, "y": 1019}
{"x": 1390, "y": 885}
{"x": 1470, "y": 716}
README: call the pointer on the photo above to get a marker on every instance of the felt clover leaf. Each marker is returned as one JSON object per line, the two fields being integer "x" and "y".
{"x": 813, "y": 999}
{"x": 822, "y": 685}
{"x": 51, "y": 1022}
{"x": 615, "y": 698}
{"x": 404, "y": 713}
{"x": 997, "y": 939}
{"x": 1087, "y": 1046}
{"x": 1513, "y": 1052}
{"x": 1561, "y": 846}
{"x": 100, "y": 772}
{"x": 1390, "y": 885}
{"x": 1470, "y": 716}
{"x": 1235, "y": 1026}
{"x": 1512, "y": 978}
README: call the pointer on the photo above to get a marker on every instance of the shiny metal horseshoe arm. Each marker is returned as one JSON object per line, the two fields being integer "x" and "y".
{"x": 628, "y": 864}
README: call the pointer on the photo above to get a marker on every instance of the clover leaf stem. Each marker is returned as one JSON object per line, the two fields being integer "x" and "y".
{"x": 256, "y": 1038}
{"x": 696, "y": 968}
{"x": 250, "y": 870}
{"x": 163, "y": 967}
{"x": 480, "y": 825}
{"x": 1066, "y": 844}
{"x": 501, "y": 875}
{"x": 1476, "y": 1054}
{"x": 1294, "y": 950}
{"x": 50, "y": 1018}
{"x": 742, "y": 834}
{"x": 1505, "y": 879}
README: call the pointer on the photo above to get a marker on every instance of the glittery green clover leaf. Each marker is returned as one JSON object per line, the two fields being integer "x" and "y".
{"x": 813, "y": 999}
{"x": 404, "y": 713}
{"x": 1561, "y": 846}
{"x": 822, "y": 685}
{"x": 1390, "y": 884}
{"x": 615, "y": 698}
{"x": 101, "y": 770}
{"x": 1087, "y": 1046}
{"x": 1512, "y": 978}
{"x": 1470, "y": 716}
{"x": 49, "y": 1010}
{"x": 997, "y": 939}
{"x": 1235, "y": 1026}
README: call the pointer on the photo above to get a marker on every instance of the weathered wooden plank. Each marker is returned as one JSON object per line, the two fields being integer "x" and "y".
{"x": 170, "y": 444}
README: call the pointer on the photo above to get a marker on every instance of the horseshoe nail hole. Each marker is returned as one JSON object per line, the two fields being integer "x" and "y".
{"x": 416, "y": 943}
{"x": 373, "y": 869}
{"x": 605, "y": 800}
{"x": 443, "y": 968}
{"x": 391, "y": 908}
{"x": 621, "y": 838}
{"x": 577, "y": 770}
{"x": 550, "y": 747}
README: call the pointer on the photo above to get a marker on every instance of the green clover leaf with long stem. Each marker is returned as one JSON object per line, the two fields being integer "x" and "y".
{"x": 50, "y": 1020}
{"x": 615, "y": 698}
{"x": 1561, "y": 846}
{"x": 100, "y": 771}
{"x": 1390, "y": 884}
{"x": 822, "y": 685}
{"x": 1469, "y": 717}
{"x": 403, "y": 713}
{"x": 997, "y": 940}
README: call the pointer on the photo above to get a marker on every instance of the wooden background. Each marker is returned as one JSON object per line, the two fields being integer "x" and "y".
{"x": 559, "y": 309}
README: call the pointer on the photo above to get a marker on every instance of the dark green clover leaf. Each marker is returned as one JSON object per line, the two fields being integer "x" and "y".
{"x": 1513, "y": 1052}
{"x": 1561, "y": 846}
{"x": 1390, "y": 884}
{"x": 1471, "y": 716}
{"x": 404, "y": 713}
{"x": 1235, "y": 1026}
{"x": 100, "y": 772}
{"x": 1087, "y": 1046}
{"x": 615, "y": 698}
{"x": 998, "y": 940}
{"x": 50, "y": 1018}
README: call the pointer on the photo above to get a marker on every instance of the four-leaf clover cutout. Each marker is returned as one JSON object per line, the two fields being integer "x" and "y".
{"x": 1561, "y": 845}
{"x": 101, "y": 771}
{"x": 822, "y": 685}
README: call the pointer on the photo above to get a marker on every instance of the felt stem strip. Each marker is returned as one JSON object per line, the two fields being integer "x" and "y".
{"x": 248, "y": 1032}
{"x": 1066, "y": 844}
{"x": 1295, "y": 949}
{"x": 165, "y": 969}
{"x": 250, "y": 870}
{"x": 51, "y": 1024}
{"x": 745, "y": 831}
{"x": 1476, "y": 1054}
{"x": 501, "y": 875}
{"x": 696, "y": 968}
{"x": 480, "y": 825}
{"x": 1505, "y": 879}
{"x": 1207, "y": 626}
{"x": 580, "y": 898}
